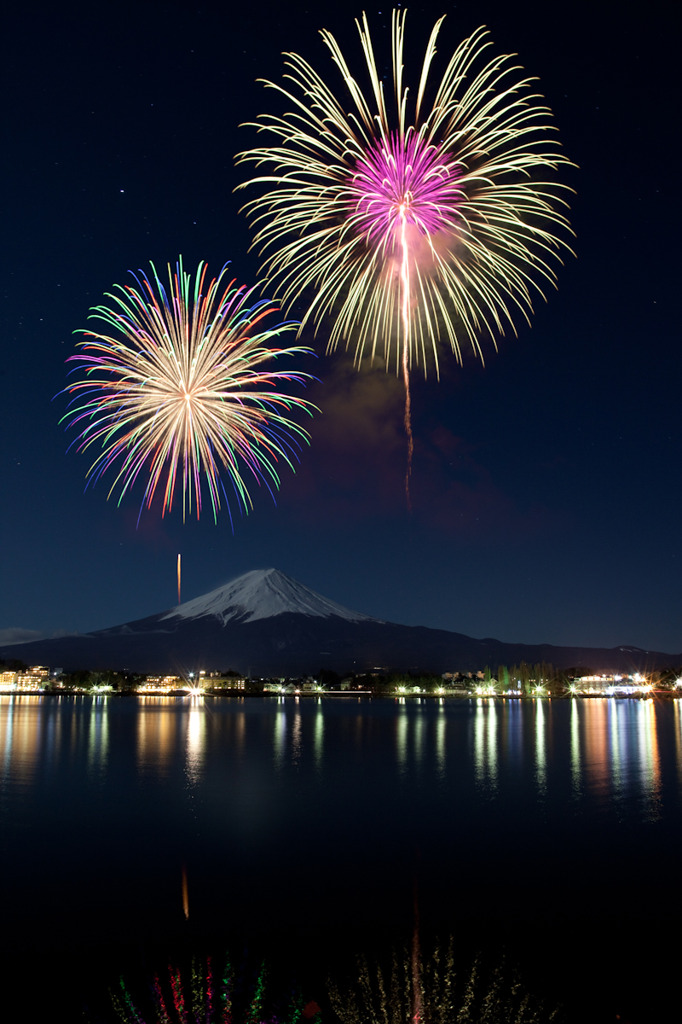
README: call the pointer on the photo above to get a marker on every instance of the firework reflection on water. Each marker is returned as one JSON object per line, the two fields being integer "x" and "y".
{"x": 409, "y": 988}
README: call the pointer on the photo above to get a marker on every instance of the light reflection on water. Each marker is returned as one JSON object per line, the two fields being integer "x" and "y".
{"x": 615, "y": 752}
{"x": 325, "y": 811}
{"x": 678, "y": 738}
{"x": 280, "y": 733}
{"x": 440, "y": 746}
{"x": 320, "y": 819}
{"x": 610, "y": 749}
{"x": 436, "y": 763}
{"x": 196, "y": 740}
{"x": 402, "y": 736}
{"x": 540, "y": 745}
{"x": 296, "y": 734}
{"x": 485, "y": 743}
{"x": 318, "y": 740}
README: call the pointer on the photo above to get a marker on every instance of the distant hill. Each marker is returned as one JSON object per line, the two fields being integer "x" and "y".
{"x": 266, "y": 624}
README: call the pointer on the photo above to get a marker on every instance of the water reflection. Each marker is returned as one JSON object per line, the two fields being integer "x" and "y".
{"x": 595, "y": 767}
{"x": 607, "y": 751}
{"x": 485, "y": 751}
{"x": 98, "y": 738}
{"x": 296, "y": 734}
{"x": 419, "y": 744}
{"x": 540, "y": 746}
{"x": 513, "y": 732}
{"x": 314, "y": 817}
{"x": 649, "y": 758}
{"x": 196, "y": 739}
{"x": 615, "y": 751}
{"x": 401, "y": 736}
{"x": 38, "y": 731}
{"x": 157, "y": 739}
{"x": 575, "y": 748}
{"x": 280, "y": 732}
{"x": 440, "y": 747}
{"x": 678, "y": 739}
{"x": 618, "y": 749}
{"x": 319, "y": 734}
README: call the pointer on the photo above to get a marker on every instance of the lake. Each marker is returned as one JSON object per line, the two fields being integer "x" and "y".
{"x": 311, "y": 828}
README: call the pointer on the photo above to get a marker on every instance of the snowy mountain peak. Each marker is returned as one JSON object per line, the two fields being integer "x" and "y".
{"x": 261, "y": 594}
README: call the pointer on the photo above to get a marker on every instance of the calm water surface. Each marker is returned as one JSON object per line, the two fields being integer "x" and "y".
{"x": 551, "y": 827}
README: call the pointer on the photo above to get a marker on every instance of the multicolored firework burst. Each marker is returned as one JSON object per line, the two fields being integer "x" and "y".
{"x": 431, "y": 216}
{"x": 181, "y": 393}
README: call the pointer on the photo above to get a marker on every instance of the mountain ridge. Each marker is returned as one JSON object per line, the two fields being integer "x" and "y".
{"x": 264, "y": 623}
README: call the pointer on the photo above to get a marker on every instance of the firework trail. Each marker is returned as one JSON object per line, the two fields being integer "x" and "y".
{"x": 180, "y": 392}
{"x": 424, "y": 217}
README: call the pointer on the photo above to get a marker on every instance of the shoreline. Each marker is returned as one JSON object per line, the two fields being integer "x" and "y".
{"x": 343, "y": 694}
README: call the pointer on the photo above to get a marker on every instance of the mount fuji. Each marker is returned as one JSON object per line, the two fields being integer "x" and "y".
{"x": 262, "y": 594}
{"x": 266, "y": 624}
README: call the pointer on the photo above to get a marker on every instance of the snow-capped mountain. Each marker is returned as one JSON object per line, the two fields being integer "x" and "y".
{"x": 261, "y": 594}
{"x": 265, "y": 624}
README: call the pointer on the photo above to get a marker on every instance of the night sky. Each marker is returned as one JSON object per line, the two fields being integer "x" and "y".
{"x": 546, "y": 486}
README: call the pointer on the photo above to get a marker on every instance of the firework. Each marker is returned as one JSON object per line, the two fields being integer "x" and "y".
{"x": 180, "y": 391}
{"x": 430, "y": 216}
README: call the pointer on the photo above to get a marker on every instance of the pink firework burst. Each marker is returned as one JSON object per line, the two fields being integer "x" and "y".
{"x": 415, "y": 218}
{"x": 404, "y": 180}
